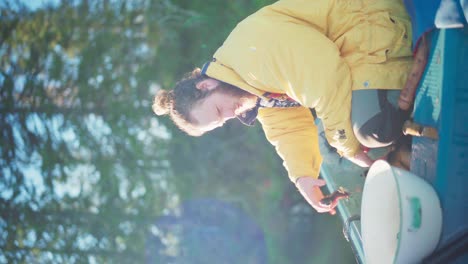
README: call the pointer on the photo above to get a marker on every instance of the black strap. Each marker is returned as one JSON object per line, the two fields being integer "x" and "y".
{"x": 383, "y": 101}
{"x": 314, "y": 114}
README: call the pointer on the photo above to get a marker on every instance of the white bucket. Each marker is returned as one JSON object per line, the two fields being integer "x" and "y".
{"x": 401, "y": 218}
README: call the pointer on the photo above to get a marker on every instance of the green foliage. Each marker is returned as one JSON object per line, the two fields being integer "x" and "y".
{"x": 78, "y": 144}
{"x": 85, "y": 166}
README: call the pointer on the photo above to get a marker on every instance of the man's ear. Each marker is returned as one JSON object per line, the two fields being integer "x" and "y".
{"x": 207, "y": 84}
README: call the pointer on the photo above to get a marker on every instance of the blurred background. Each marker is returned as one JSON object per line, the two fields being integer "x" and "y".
{"x": 88, "y": 174}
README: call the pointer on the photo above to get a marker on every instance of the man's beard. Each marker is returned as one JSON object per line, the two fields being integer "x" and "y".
{"x": 245, "y": 99}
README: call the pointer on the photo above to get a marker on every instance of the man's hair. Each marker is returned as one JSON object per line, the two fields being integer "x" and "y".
{"x": 178, "y": 102}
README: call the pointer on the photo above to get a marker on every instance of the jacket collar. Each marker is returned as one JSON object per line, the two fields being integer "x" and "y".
{"x": 219, "y": 71}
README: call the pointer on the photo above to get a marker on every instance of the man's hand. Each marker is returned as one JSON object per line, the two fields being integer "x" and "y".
{"x": 310, "y": 189}
{"x": 361, "y": 159}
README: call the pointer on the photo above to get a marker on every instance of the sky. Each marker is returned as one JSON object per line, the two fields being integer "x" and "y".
{"x": 32, "y": 4}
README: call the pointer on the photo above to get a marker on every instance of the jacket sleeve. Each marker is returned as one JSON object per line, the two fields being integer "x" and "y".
{"x": 293, "y": 133}
{"x": 308, "y": 67}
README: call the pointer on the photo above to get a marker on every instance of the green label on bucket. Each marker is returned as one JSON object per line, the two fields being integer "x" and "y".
{"x": 415, "y": 207}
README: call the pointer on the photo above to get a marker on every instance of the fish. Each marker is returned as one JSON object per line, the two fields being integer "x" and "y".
{"x": 335, "y": 196}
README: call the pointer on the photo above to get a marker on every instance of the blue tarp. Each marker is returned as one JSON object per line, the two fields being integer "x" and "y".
{"x": 429, "y": 14}
{"x": 442, "y": 102}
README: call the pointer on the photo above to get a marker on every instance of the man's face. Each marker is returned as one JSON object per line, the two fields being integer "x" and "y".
{"x": 220, "y": 106}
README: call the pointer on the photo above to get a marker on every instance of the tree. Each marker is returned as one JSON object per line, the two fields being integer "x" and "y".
{"x": 83, "y": 165}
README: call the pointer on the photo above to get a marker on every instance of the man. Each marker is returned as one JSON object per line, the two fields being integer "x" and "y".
{"x": 345, "y": 60}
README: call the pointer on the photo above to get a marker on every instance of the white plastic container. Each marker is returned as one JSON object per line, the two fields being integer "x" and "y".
{"x": 401, "y": 218}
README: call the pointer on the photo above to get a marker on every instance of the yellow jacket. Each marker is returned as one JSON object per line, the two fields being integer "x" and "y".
{"x": 316, "y": 52}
